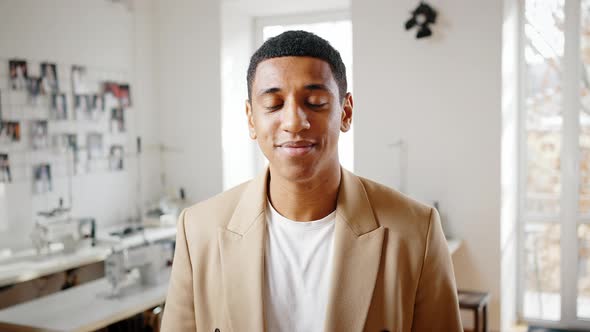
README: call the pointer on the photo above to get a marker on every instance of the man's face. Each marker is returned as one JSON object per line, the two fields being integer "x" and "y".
{"x": 296, "y": 116}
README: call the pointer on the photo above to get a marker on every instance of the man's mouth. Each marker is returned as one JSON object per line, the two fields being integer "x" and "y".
{"x": 296, "y": 148}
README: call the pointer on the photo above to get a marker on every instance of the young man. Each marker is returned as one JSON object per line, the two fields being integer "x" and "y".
{"x": 307, "y": 245}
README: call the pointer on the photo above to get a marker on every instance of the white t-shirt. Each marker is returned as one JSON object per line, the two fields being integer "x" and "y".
{"x": 298, "y": 265}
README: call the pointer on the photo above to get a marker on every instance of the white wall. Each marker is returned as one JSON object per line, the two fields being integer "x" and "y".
{"x": 442, "y": 96}
{"x": 237, "y": 45}
{"x": 188, "y": 50}
{"x": 112, "y": 42}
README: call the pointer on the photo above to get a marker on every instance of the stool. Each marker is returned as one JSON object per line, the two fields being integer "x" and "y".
{"x": 478, "y": 302}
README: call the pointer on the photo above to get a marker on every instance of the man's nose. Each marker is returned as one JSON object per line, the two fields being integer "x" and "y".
{"x": 294, "y": 119}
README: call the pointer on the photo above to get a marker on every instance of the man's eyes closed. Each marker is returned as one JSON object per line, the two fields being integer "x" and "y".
{"x": 312, "y": 103}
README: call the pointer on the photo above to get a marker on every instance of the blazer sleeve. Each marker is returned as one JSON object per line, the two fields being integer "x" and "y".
{"x": 436, "y": 307}
{"x": 179, "y": 313}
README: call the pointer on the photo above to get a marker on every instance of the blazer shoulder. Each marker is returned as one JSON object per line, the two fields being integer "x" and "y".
{"x": 393, "y": 208}
{"x": 214, "y": 212}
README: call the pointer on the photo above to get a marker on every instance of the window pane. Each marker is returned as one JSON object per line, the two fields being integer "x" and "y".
{"x": 584, "y": 271}
{"x": 584, "y": 200}
{"x": 585, "y": 163}
{"x": 542, "y": 299}
{"x": 544, "y": 41}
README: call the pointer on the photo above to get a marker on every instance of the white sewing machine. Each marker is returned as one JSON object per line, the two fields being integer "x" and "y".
{"x": 150, "y": 260}
{"x": 166, "y": 211}
{"x": 56, "y": 228}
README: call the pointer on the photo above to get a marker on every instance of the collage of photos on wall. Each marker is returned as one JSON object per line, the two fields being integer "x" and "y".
{"x": 105, "y": 102}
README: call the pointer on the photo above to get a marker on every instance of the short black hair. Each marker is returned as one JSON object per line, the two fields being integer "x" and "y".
{"x": 299, "y": 43}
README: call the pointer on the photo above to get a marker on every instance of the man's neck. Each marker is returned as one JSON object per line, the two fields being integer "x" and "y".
{"x": 305, "y": 201}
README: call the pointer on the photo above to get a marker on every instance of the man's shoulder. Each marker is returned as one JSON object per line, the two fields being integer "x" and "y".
{"x": 391, "y": 206}
{"x": 216, "y": 211}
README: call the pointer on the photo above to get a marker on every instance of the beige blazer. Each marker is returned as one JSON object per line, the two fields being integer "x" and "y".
{"x": 392, "y": 270}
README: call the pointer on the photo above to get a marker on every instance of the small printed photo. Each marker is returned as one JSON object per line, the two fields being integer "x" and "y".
{"x": 82, "y": 106}
{"x": 95, "y": 108}
{"x": 9, "y": 131}
{"x": 116, "y": 157}
{"x": 111, "y": 88}
{"x": 18, "y": 74}
{"x": 65, "y": 142}
{"x": 39, "y": 134}
{"x": 94, "y": 146}
{"x": 79, "y": 80}
{"x": 42, "y": 182}
{"x": 59, "y": 106}
{"x": 125, "y": 95}
{"x": 121, "y": 92}
{"x": 117, "y": 123}
{"x": 34, "y": 86}
{"x": 5, "y": 176}
{"x": 98, "y": 103}
{"x": 49, "y": 83}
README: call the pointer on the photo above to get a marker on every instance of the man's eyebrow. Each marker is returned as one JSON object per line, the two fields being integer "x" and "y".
{"x": 317, "y": 87}
{"x": 268, "y": 91}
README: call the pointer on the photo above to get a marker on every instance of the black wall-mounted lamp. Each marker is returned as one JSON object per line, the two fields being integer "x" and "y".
{"x": 422, "y": 16}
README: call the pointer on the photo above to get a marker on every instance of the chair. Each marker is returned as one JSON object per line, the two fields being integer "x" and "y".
{"x": 478, "y": 303}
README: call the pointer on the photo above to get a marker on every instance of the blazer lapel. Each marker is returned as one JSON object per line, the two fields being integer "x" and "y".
{"x": 358, "y": 243}
{"x": 241, "y": 247}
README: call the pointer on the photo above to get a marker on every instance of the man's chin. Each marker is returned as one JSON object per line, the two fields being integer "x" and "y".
{"x": 296, "y": 173}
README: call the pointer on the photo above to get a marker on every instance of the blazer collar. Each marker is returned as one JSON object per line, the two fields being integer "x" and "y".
{"x": 353, "y": 204}
{"x": 358, "y": 242}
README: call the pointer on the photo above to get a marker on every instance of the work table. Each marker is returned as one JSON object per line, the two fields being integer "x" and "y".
{"x": 27, "y": 265}
{"x": 87, "y": 307}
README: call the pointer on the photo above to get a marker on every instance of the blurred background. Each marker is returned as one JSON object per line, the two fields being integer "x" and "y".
{"x": 116, "y": 114}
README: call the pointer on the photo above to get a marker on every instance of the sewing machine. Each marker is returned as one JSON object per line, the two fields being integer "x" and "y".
{"x": 55, "y": 227}
{"x": 149, "y": 259}
{"x": 166, "y": 211}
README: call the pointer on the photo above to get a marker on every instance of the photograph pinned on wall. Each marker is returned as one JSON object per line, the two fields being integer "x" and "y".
{"x": 34, "y": 88}
{"x": 18, "y": 74}
{"x": 96, "y": 107}
{"x": 42, "y": 182}
{"x": 111, "y": 88}
{"x": 120, "y": 92}
{"x": 116, "y": 157}
{"x": 59, "y": 106}
{"x": 79, "y": 80}
{"x": 117, "y": 123}
{"x": 39, "y": 134}
{"x": 125, "y": 95}
{"x": 98, "y": 103}
{"x": 82, "y": 106}
{"x": 9, "y": 131}
{"x": 5, "y": 176}
{"x": 64, "y": 142}
{"x": 49, "y": 82}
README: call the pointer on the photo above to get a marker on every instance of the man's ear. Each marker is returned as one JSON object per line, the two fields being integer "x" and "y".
{"x": 346, "y": 120}
{"x": 250, "y": 117}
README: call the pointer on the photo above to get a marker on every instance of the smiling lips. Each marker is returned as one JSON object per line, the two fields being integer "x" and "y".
{"x": 296, "y": 148}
